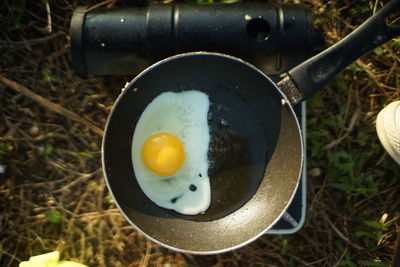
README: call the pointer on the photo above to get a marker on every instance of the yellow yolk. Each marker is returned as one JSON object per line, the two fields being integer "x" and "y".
{"x": 163, "y": 154}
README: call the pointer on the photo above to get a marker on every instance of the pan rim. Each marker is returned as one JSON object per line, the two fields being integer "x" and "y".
{"x": 285, "y": 102}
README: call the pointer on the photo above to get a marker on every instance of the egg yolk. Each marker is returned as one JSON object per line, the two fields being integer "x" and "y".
{"x": 163, "y": 154}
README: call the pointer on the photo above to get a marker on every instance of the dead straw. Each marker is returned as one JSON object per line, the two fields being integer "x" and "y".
{"x": 50, "y": 105}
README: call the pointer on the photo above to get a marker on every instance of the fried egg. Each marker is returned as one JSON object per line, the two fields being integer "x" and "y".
{"x": 169, "y": 151}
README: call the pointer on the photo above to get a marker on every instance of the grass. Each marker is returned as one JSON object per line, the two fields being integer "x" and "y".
{"x": 54, "y": 197}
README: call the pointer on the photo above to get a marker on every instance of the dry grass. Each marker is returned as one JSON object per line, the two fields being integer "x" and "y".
{"x": 54, "y": 197}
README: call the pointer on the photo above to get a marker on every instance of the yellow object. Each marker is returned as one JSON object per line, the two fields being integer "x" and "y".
{"x": 44, "y": 260}
{"x": 163, "y": 154}
{"x": 50, "y": 259}
{"x": 34, "y": 264}
{"x": 69, "y": 264}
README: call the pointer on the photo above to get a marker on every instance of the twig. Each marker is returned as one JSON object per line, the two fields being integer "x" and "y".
{"x": 392, "y": 54}
{"x": 372, "y": 76}
{"x": 100, "y": 213}
{"x": 317, "y": 197}
{"x": 341, "y": 257}
{"x": 348, "y": 130}
{"x": 340, "y": 234}
{"x": 29, "y": 64}
{"x": 48, "y": 17}
{"x": 78, "y": 180}
{"x": 318, "y": 261}
{"x": 101, "y": 255}
{"x": 34, "y": 40}
{"x": 109, "y": 4}
{"x": 50, "y": 105}
{"x": 396, "y": 254}
{"x": 56, "y": 165}
{"x": 375, "y": 7}
{"x": 145, "y": 260}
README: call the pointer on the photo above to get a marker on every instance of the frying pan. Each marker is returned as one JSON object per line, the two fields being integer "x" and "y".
{"x": 256, "y": 149}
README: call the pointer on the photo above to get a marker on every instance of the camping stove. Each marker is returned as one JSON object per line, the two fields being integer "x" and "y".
{"x": 294, "y": 217}
{"x": 126, "y": 40}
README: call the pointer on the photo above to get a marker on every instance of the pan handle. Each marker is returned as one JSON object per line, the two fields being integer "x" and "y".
{"x": 313, "y": 74}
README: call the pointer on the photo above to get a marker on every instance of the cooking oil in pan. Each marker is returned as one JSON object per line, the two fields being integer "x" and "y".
{"x": 237, "y": 154}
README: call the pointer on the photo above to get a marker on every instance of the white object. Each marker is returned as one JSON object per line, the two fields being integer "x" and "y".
{"x": 184, "y": 115}
{"x": 3, "y": 169}
{"x": 388, "y": 129}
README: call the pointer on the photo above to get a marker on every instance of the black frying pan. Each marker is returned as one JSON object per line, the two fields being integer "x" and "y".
{"x": 257, "y": 150}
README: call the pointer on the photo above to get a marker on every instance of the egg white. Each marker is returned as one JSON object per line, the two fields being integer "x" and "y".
{"x": 183, "y": 114}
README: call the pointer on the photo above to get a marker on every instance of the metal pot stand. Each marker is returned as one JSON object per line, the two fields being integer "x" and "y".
{"x": 293, "y": 219}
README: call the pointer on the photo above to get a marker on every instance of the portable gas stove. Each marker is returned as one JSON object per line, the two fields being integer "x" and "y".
{"x": 125, "y": 40}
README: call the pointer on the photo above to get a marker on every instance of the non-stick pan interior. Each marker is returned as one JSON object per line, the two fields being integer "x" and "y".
{"x": 253, "y": 173}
